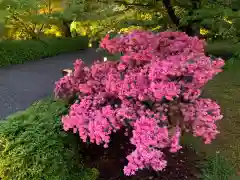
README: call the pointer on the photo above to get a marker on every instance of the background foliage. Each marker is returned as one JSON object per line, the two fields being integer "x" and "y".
{"x": 216, "y": 21}
{"x": 18, "y": 52}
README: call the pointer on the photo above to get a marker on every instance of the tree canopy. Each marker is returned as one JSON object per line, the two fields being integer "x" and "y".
{"x": 214, "y": 20}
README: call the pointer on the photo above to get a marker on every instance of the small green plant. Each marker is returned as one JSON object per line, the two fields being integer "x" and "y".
{"x": 33, "y": 146}
{"x": 20, "y": 51}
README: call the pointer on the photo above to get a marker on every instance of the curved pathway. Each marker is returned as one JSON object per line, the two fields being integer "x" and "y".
{"x": 21, "y": 85}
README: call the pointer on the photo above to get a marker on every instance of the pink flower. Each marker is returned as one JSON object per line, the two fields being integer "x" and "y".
{"x": 202, "y": 115}
{"x": 169, "y": 90}
{"x": 65, "y": 87}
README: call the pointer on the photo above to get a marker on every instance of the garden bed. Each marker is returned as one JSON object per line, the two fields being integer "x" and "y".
{"x": 182, "y": 165}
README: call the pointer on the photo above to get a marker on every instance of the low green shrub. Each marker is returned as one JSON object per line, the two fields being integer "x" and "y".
{"x": 34, "y": 147}
{"x": 20, "y": 51}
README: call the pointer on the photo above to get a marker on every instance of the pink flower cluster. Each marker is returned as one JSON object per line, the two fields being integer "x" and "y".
{"x": 67, "y": 86}
{"x": 138, "y": 91}
{"x": 201, "y": 115}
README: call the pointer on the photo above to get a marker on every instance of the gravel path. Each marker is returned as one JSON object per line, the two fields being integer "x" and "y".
{"x": 21, "y": 85}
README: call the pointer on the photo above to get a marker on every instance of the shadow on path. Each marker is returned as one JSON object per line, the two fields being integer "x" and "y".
{"x": 23, "y": 84}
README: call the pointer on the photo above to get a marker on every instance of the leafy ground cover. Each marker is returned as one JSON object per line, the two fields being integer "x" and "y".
{"x": 33, "y": 146}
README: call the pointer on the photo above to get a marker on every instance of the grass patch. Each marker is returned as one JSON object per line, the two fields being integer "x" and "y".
{"x": 217, "y": 168}
{"x": 34, "y": 146}
{"x": 225, "y": 89}
{"x": 215, "y": 165}
{"x": 20, "y": 51}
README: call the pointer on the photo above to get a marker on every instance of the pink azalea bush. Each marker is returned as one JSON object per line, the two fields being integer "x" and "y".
{"x": 138, "y": 91}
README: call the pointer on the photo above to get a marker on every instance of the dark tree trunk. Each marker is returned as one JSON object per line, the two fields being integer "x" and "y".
{"x": 192, "y": 28}
{"x": 189, "y": 29}
{"x": 66, "y": 28}
{"x": 175, "y": 19}
{"x": 171, "y": 12}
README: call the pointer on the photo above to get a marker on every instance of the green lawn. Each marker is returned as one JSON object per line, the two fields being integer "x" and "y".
{"x": 225, "y": 89}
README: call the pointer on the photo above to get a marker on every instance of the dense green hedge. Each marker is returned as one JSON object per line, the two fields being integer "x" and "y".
{"x": 33, "y": 146}
{"x": 20, "y": 51}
